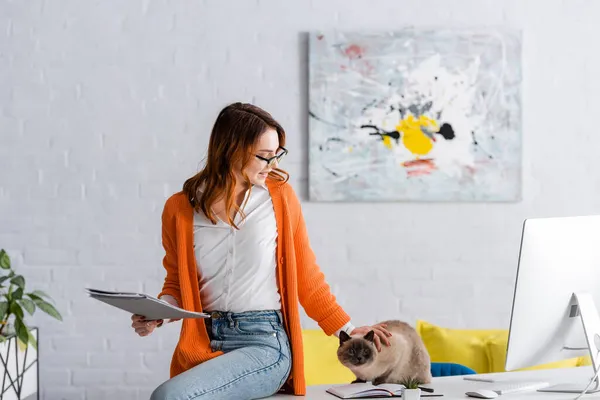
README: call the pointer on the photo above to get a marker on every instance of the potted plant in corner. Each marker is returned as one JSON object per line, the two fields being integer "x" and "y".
{"x": 18, "y": 342}
{"x": 411, "y": 389}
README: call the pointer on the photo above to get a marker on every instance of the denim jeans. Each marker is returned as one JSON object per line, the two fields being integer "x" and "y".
{"x": 255, "y": 364}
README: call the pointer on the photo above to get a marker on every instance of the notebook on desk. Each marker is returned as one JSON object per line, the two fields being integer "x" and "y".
{"x": 370, "y": 391}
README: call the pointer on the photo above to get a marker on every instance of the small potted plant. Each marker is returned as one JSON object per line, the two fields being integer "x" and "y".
{"x": 18, "y": 362}
{"x": 411, "y": 389}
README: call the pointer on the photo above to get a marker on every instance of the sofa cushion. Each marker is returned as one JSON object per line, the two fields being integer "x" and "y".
{"x": 483, "y": 350}
{"x": 496, "y": 346}
{"x": 461, "y": 346}
{"x": 321, "y": 365}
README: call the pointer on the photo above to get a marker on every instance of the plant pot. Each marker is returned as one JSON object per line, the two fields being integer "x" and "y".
{"x": 411, "y": 394}
{"x": 20, "y": 369}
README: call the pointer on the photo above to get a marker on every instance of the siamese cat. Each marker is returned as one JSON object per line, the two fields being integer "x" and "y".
{"x": 405, "y": 357}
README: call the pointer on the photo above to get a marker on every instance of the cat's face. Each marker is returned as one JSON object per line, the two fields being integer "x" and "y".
{"x": 356, "y": 351}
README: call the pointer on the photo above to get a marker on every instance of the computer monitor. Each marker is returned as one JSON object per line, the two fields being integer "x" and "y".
{"x": 557, "y": 291}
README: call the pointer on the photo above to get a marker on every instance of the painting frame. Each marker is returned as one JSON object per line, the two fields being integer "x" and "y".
{"x": 338, "y": 60}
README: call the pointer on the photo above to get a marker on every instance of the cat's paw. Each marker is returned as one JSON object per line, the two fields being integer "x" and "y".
{"x": 357, "y": 380}
{"x": 379, "y": 380}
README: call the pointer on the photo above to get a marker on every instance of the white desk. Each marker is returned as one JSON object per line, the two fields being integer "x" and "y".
{"x": 454, "y": 387}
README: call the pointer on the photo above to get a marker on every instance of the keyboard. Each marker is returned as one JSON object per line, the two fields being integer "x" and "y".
{"x": 514, "y": 387}
{"x": 480, "y": 378}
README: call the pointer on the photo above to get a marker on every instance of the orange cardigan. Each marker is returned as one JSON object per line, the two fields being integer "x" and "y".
{"x": 298, "y": 277}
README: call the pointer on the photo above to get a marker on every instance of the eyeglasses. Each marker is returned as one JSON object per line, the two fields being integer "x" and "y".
{"x": 271, "y": 161}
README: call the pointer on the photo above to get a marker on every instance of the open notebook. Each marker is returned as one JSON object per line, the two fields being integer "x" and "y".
{"x": 368, "y": 390}
{"x": 358, "y": 390}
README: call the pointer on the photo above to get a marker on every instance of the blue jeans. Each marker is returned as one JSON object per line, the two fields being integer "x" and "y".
{"x": 255, "y": 364}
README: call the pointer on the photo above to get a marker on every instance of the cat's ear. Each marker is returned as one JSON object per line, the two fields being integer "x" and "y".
{"x": 344, "y": 337}
{"x": 370, "y": 336}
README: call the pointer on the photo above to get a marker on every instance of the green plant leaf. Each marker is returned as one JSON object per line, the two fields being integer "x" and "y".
{"x": 40, "y": 294}
{"x": 4, "y": 260}
{"x": 28, "y": 305}
{"x": 19, "y": 281}
{"x": 22, "y": 331}
{"x": 410, "y": 382}
{"x": 32, "y": 340}
{"x": 18, "y": 294}
{"x": 3, "y": 308}
{"x": 16, "y": 310}
{"x": 33, "y": 297}
{"x": 2, "y": 338}
{"x": 47, "y": 308}
{"x": 3, "y": 279}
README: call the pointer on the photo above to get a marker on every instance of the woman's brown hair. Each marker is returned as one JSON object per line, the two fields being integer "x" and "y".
{"x": 237, "y": 128}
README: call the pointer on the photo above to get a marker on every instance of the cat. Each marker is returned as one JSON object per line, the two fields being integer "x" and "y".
{"x": 405, "y": 357}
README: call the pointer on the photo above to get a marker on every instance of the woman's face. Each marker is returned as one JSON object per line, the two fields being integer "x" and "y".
{"x": 266, "y": 146}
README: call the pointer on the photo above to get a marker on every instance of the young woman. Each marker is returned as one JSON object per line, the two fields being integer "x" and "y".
{"x": 237, "y": 247}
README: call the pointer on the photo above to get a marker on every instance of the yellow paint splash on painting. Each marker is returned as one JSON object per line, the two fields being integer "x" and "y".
{"x": 413, "y": 137}
{"x": 387, "y": 142}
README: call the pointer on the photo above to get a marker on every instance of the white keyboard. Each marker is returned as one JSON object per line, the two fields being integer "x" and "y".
{"x": 480, "y": 378}
{"x": 514, "y": 387}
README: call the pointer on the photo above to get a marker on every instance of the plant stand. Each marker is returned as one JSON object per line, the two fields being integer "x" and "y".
{"x": 20, "y": 369}
{"x": 411, "y": 394}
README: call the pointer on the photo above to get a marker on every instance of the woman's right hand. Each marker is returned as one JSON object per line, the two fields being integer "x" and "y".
{"x": 142, "y": 326}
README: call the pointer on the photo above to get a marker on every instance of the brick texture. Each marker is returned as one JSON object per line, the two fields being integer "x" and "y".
{"x": 106, "y": 108}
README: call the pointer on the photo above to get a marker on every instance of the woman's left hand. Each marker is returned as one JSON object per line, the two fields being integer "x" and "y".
{"x": 381, "y": 334}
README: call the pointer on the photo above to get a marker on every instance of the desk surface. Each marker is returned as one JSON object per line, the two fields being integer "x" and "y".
{"x": 454, "y": 387}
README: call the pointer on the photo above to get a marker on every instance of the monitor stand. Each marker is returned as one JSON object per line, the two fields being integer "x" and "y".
{"x": 584, "y": 307}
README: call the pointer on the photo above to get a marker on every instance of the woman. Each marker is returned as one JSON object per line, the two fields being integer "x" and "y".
{"x": 237, "y": 247}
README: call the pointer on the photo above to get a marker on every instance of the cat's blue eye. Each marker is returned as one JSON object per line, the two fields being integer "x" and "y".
{"x": 351, "y": 352}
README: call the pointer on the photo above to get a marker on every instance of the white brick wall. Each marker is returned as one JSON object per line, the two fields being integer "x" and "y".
{"x": 106, "y": 107}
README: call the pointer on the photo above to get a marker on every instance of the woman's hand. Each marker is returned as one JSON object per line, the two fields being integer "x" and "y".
{"x": 381, "y": 334}
{"x": 142, "y": 326}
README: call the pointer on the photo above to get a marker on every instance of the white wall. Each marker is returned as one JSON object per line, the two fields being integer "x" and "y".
{"x": 106, "y": 107}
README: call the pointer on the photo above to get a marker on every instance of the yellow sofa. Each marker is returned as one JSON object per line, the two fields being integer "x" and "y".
{"x": 321, "y": 366}
{"x": 481, "y": 350}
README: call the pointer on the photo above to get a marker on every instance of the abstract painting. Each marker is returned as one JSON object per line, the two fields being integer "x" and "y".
{"x": 415, "y": 115}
